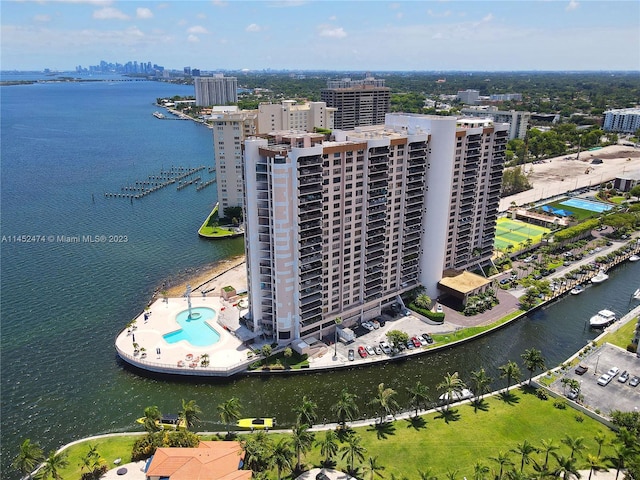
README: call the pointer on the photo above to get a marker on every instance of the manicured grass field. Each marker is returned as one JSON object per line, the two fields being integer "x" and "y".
{"x": 516, "y": 233}
{"x": 441, "y": 442}
{"x": 623, "y": 336}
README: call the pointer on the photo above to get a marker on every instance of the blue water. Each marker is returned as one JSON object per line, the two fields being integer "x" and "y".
{"x": 587, "y": 205}
{"x": 197, "y": 331}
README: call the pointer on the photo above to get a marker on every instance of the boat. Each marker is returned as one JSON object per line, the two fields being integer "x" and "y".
{"x": 256, "y": 423}
{"x": 634, "y": 258}
{"x": 158, "y": 115}
{"x": 636, "y": 294}
{"x": 167, "y": 422}
{"x": 602, "y": 319}
{"x": 463, "y": 394}
{"x": 600, "y": 277}
{"x": 577, "y": 290}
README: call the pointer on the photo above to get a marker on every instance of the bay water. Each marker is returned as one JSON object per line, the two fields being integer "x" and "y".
{"x": 63, "y": 301}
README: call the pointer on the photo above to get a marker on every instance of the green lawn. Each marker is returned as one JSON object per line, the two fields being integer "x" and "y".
{"x": 579, "y": 214}
{"x": 623, "y": 336}
{"x": 442, "y": 443}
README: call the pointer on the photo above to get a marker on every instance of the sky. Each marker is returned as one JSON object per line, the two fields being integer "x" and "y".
{"x": 218, "y": 35}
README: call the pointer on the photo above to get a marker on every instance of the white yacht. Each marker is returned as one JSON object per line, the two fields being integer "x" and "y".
{"x": 634, "y": 258}
{"x": 602, "y": 319}
{"x": 577, "y": 290}
{"x": 600, "y": 277}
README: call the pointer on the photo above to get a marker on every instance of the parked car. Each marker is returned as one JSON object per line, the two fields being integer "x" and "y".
{"x": 613, "y": 371}
{"x": 422, "y": 340}
{"x": 624, "y": 376}
{"x": 370, "y": 350}
{"x": 634, "y": 381}
{"x": 386, "y": 348}
{"x": 427, "y": 337}
{"x": 416, "y": 342}
{"x": 362, "y": 351}
{"x": 378, "y": 350}
{"x": 410, "y": 345}
{"x": 573, "y": 394}
{"x": 351, "y": 355}
{"x": 376, "y": 324}
{"x": 528, "y": 260}
{"x": 504, "y": 281}
{"x": 581, "y": 369}
{"x": 604, "y": 379}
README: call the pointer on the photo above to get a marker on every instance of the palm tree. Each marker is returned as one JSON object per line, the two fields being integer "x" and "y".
{"x": 533, "y": 360}
{"x": 152, "y": 417}
{"x": 452, "y": 474}
{"x": 621, "y": 453}
{"x": 566, "y": 467}
{"x": 346, "y": 408}
{"x": 373, "y": 468}
{"x": 307, "y": 411}
{"x": 52, "y": 465}
{"x": 503, "y": 460}
{"x": 423, "y": 300}
{"x": 229, "y": 412}
{"x": 28, "y": 458}
{"x": 481, "y": 382}
{"x": 547, "y": 447}
{"x": 189, "y": 413}
{"x": 524, "y": 450}
{"x": 419, "y": 395}
{"x": 282, "y": 456}
{"x": 576, "y": 444}
{"x": 600, "y": 438}
{"x": 385, "y": 401}
{"x": 595, "y": 464}
{"x": 452, "y": 384}
{"x": 328, "y": 446}
{"x": 427, "y": 474}
{"x": 302, "y": 440}
{"x": 258, "y": 451}
{"x": 353, "y": 449}
{"x": 480, "y": 471}
{"x": 510, "y": 371}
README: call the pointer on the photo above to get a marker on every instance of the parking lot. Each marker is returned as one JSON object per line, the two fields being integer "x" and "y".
{"x": 615, "y": 395}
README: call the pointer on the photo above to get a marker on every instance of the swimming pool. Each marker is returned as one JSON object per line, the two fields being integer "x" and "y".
{"x": 195, "y": 330}
{"x": 587, "y": 205}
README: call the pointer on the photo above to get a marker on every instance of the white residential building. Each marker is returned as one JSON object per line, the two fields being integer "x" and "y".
{"x": 216, "y": 90}
{"x": 342, "y": 227}
{"x": 518, "y": 120}
{"x": 292, "y": 116}
{"x": 623, "y": 120}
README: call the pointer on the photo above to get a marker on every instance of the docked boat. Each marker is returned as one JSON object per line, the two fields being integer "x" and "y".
{"x": 167, "y": 422}
{"x": 577, "y": 290}
{"x": 602, "y": 319}
{"x": 634, "y": 258}
{"x": 600, "y": 277}
{"x": 158, "y": 115}
{"x": 463, "y": 394}
{"x": 256, "y": 423}
{"x": 636, "y": 294}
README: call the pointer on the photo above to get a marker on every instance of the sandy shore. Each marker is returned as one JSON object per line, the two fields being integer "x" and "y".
{"x": 207, "y": 278}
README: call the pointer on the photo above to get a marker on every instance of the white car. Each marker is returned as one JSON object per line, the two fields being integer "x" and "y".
{"x": 604, "y": 379}
{"x": 370, "y": 350}
{"x": 613, "y": 371}
{"x": 528, "y": 260}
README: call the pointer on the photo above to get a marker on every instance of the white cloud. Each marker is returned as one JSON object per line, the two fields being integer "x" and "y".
{"x": 144, "y": 13}
{"x": 110, "y": 13}
{"x": 42, "y": 18}
{"x": 287, "y": 3}
{"x": 573, "y": 4}
{"x": 332, "y": 32}
{"x": 197, "y": 29}
{"x": 487, "y": 18}
{"x": 254, "y": 27}
{"x": 193, "y": 39}
{"x": 219, "y": 3}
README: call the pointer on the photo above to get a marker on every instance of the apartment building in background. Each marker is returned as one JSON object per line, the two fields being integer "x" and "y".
{"x": 469, "y": 97}
{"x": 341, "y": 227}
{"x": 289, "y": 115}
{"x": 517, "y": 120}
{"x": 216, "y": 90}
{"x": 623, "y": 120}
{"x": 357, "y": 102}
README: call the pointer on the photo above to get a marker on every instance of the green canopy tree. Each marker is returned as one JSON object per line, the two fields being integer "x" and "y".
{"x": 28, "y": 458}
{"x": 53, "y": 465}
{"x": 189, "y": 413}
{"x": 510, "y": 371}
{"x": 419, "y": 395}
{"x": 328, "y": 446}
{"x": 533, "y": 360}
{"x": 346, "y": 408}
{"x": 229, "y": 412}
{"x": 352, "y": 450}
{"x": 306, "y": 412}
{"x": 385, "y": 401}
{"x": 451, "y": 384}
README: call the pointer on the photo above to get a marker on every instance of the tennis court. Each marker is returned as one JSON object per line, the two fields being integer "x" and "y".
{"x": 516, "y": 233}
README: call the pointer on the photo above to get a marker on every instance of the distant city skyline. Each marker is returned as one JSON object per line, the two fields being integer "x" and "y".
{"x": 324, "y": 35}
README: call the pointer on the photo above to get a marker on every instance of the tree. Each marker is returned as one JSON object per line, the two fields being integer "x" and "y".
{"x": 346, "y": 408}
{"x": 503, "y": 460}
{"x": 52, "y": 465}
{"x": 282, "y": 455}
{"x": 481, "y": 382}
{"x": 419, "y": 395}
{"x": 600, "y": 438}
{"x": 302, "y": 440}
{"x": 533, "y": 360}
{"x": 385, "y": 401}
{"x": 510, "y": 371}
{"x": 229, "y": 412}
{"x": 328, "y": 446}
{"x": 373, "y": 468}
{"x": 397, "y": 338}
{"x": 189, "y": 413}
{"x": 95, "y": 465}
{"x": 595, "y": 464}
{"x": 258, "y": 451}
{"x": 566, "y": 467}
{"x": 621, "y": 453}
{"x": 524, "y": 450}
{"x": 266, "y": 351}
{"x": 548, "y": 446}
{"x": 451, "y": 384}
{"x": 423, "y": 301}
{"x": 306, "y": 412}
{"x": 152, "y": 417}
{"x": 28, "y": 458}
{"x": 480, "y": 471}
{"x": 576, "y": 444}
{"x": 353, "y": 449}
{"x": 635, "y": 192}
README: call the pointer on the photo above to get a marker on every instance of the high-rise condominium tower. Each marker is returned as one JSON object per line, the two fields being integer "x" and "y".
{"x": 358, "y": 102}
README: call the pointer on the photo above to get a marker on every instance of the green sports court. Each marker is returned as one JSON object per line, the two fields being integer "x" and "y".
{"x": 516, "y": 233}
